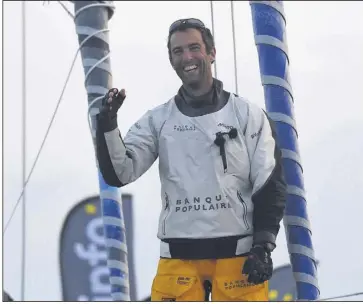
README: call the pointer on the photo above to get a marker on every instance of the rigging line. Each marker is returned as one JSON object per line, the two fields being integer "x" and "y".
{"x": 66, "y": 9}
{"x": 343, "y": 296}
{"x": 234, "y": 48}
{"x": 213, "y": 33}
{"x": 24, "y": 112}
{"x": 42, "y": 145}
{"x": 50, "y": 125}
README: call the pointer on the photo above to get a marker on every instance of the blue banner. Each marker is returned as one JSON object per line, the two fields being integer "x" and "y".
{"x": 83, "y": 253}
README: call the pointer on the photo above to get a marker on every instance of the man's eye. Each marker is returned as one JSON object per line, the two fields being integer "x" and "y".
{"x": 195, "y": 48}
{"x": 177, "y": 52}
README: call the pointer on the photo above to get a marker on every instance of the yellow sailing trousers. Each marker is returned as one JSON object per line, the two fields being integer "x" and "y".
{"x": 183, "y": 280}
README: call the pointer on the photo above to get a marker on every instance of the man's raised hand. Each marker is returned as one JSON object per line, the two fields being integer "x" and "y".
{"x": 111, "y": 102}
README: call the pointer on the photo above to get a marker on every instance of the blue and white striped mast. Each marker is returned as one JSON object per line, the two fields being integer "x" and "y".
{"x": 269, "y": 23}
{"x": 91, "y": 19}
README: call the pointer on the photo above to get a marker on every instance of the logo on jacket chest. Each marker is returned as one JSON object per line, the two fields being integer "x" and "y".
{"x": 184, "y": 128}
{"x": 228, "y": 127}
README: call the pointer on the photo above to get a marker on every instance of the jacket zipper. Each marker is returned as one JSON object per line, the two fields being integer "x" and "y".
{"x": 220, "y": 142}
{"x": 244, "y": 205}
{"x": 167, "y": 210}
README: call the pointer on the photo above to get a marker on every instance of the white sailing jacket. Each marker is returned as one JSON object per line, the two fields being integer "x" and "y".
{"x": 207, "y": 193}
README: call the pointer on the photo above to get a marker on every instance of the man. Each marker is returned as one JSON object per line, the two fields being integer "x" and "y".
{"x": 223, "y": 192}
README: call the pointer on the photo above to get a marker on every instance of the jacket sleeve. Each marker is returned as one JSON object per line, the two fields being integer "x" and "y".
{"x": 123, "y": 161}
{"x": 266, "y": 175}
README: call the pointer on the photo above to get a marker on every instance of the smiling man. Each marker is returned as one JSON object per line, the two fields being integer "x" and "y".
{"x": 192, "y": 58}
{"x": 222, "y": 186}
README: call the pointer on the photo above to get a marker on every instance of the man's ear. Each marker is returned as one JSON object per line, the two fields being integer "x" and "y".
{"x": 213, "y": 55}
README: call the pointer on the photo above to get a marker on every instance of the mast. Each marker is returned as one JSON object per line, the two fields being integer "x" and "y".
{"x": 91, "y": 19}
{"x": 269, "y": 24}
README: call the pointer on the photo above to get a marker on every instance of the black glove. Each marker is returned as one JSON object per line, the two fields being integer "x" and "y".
{"x": 111, "y": 102}
{"x": 258, "y": 266}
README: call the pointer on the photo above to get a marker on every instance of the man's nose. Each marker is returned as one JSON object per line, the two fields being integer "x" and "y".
{"x": 187, "y": 55}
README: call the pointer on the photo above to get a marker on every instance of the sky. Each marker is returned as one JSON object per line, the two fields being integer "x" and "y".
{"x": 325, "y": 41}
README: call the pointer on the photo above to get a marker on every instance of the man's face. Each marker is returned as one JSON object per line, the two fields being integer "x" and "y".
{"x": 189, "y": 57}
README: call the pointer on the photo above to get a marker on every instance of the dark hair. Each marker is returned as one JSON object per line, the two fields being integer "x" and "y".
{"x": 207, "y": 37}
